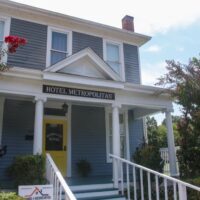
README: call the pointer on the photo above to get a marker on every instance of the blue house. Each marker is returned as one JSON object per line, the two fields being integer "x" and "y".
{"x": 74, "y": 91}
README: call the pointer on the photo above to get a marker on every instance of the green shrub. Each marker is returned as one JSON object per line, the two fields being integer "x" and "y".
{"x": 192, "y": 194}
{"x": 84, "y": 168}
{"x": 28, "y": 170}
{"x": 149, "y": 156}
{"x": 189, "y": 165}
{"x": 9, "y": 196}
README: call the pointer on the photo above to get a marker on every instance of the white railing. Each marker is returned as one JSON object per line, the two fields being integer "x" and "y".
{"x": 138, "y": 182}
{"x": 165, "y": 156}
{"x": 53, "y": 175}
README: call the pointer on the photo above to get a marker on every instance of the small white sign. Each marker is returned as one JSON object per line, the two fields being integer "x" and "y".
{"x": 36, "y": 192}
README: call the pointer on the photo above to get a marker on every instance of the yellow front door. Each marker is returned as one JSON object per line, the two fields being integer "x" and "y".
{"x": 55, "y": 142}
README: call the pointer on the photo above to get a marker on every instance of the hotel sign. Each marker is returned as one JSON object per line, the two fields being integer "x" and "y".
{"x": 78, "y": 92}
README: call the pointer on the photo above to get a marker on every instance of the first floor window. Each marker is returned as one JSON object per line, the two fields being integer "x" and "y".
{"x": 122, "y": 126}
{"x": 59, "y": 45}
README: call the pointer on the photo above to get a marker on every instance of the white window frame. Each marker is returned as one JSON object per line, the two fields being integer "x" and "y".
{"x": 49, "y": 42}
{"x": 6, "y": 21}
{"x": 121, "y": 55}
{"x": 108, "y": 111}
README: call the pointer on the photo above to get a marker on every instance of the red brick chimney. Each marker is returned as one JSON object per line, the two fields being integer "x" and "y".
{"x": 128, "y": 23}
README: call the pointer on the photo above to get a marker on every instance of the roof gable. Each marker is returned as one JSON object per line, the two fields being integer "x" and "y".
{"x": 85, "y": 63}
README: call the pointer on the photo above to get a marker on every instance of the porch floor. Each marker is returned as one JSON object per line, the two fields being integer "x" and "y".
{"x": 88, "y": 180}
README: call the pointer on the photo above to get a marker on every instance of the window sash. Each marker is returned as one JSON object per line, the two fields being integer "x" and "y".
{"x": 2, "y": 28}
{"x": 122, "y": 135}
{"x": 59, "y": 46}
{"x": 113, "y": 56}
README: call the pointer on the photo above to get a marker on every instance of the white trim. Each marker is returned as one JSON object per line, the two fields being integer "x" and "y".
{"x": 121, "y": 55}
{"x": 2, "y": 100}
{"x": 49, "y": 42}
{"x": 81, "y": 54}
{"x": 6, "y": 21}
{"x": 108, "y": 111}
{"x": 69, "y": 147}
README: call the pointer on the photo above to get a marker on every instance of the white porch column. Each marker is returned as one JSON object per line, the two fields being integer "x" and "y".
{"x": 2, "y": 100}
{"x": 171, "y": 145}
{"x": 116, "y": 142}
{"x": 38, "y": 126}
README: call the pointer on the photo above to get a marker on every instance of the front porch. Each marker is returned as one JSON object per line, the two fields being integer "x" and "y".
{"x": 101, "y": 116}
{"x": 91, "y": 131}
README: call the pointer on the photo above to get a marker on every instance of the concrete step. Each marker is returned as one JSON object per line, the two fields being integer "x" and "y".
{"x": 76, "y": 188}
{"x": 103, "y": 191}
{"x": 96, "y": 193}
{"x": 114, "y": 197}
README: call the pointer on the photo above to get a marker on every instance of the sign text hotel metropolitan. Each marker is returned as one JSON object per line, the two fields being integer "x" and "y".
{"x": 78, "y": 92}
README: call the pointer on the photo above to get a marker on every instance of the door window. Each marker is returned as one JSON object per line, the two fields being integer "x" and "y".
{"x": 54, "y": 137}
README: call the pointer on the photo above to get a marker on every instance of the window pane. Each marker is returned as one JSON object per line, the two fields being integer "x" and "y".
{"x": 113, "y": 57}
{"x": 54, "y": 137}
{"x": 112, "y": 52}
{"x": 122, "y": 135}
{"x": 115, "y": 66}
{"x": 59, "y": 41}
{"x": 122, "y": 146}
{"x": 1, "y": 31}
{"x": 111, "y": 146}
{"x": 57, "y": 56}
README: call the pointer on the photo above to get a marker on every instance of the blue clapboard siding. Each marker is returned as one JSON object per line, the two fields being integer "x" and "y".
{"x": 33, "y": 54}
{"x": 82, "y": 41}
{"x": 131, "y": 62}
{"x": 89, "y": 139}
{"x": 136, "y": 132}
{"x": 17, "y": 123}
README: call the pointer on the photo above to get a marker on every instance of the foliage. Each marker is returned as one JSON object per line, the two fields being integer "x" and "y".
{"x": 84, "y": 168}
{"x": 157, "y": 135}
{"x": 9, "y": 196}
{"x": 192, "y": 194}
{"x": 149, "y": 156}
{"x": 12, "y": 42}
{"x": 28, "y": 170}
{"x": 183, "y": 83}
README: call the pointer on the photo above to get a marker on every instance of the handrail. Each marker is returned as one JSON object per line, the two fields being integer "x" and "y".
{"x": 176, "y": 182}
{"x": 55, "y": 177}
{"x": 157, "y": 173}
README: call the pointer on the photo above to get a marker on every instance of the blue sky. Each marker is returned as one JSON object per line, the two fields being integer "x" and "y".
{"x": 178, "y": 44}
{"x": 173, "y": 24}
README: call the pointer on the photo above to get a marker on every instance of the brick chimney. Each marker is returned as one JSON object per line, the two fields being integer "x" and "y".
{"x": 128, "y": 23}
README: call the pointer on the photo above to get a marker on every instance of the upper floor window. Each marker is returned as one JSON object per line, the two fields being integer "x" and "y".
{"x": 2, "y": 25}
{"x": 113, "y": 55}
{"x": 4, "y": 31}
{"x": 58, "y": 46}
